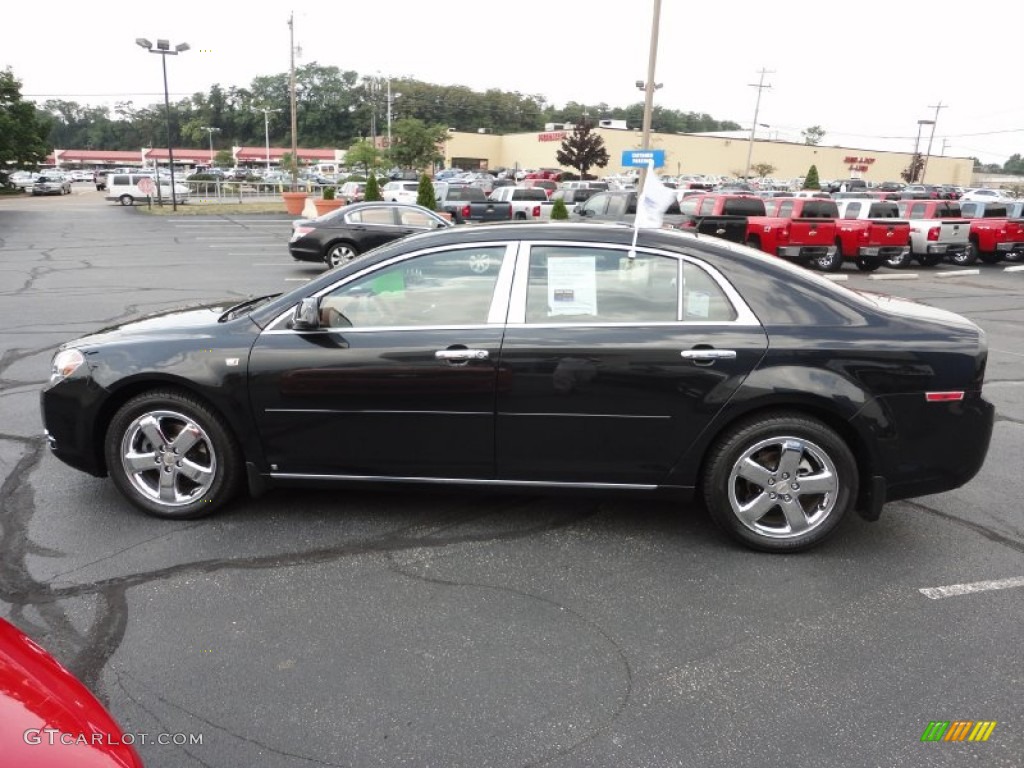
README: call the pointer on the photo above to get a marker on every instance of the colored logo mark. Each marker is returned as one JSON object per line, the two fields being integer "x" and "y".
{"x": 958, "y": 730}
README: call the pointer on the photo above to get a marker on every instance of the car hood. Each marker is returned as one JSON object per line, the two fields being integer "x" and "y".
{"x": 184, "y": 322}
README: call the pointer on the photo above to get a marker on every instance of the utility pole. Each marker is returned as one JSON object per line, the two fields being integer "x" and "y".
{"x": 936, "y": 107}
{"x": 757, "y": 108}
{"x": 295, "y": 114}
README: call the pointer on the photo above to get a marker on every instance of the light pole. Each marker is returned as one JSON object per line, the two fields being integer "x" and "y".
{"x": 649, "y": 86}
{"x": 391, "y": 102}
{"x": 211, "y": 131}
{"x": 164, "y": 49}
{"x": 266, "y": 129}
{"x": 927, "y": 157}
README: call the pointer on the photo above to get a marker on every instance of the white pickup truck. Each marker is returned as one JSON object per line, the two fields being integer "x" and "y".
{"x": 527, "y": 202}
{"x": 937, "y": 231}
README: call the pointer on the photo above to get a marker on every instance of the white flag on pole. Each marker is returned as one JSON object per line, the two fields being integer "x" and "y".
{"x": 654, "y": 200}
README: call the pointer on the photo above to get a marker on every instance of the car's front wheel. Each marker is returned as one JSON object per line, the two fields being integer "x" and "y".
{"x": 340, "y": 253}
{"x": 126, "y": 199}
{"x": 780, "y": 482}
{"x": 172, "y": 456}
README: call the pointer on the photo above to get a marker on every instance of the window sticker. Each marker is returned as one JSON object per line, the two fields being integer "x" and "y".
{"x": 572, "y": 285}
{"x": 698, "y": 304}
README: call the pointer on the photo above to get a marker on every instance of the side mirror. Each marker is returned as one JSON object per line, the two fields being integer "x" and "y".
{"x": 582, "y": 211}
{"x": 306, "y": 316}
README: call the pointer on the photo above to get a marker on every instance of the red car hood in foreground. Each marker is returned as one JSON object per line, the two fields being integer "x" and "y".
{"x": 48, "y": 719}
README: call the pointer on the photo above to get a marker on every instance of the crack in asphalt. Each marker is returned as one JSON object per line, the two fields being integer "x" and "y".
{"x": 981, "y": 530}
{"x": 620, "y": 651}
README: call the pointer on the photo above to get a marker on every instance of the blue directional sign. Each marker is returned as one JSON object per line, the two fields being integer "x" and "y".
{"x": 633, "y": 158}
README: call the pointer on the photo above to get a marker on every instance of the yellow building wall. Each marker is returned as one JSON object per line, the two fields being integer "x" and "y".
{"x": 708, "y": 155}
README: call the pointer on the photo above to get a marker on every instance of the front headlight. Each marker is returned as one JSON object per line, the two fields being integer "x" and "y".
{"x": 64, "y": 364}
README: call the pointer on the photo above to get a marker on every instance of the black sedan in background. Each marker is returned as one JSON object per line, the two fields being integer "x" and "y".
{"x": 343, "y": 234}
{"x": 540, "y": 357}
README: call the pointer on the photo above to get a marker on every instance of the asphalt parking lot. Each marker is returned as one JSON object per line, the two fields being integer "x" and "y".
{"x": 382, "y": 629}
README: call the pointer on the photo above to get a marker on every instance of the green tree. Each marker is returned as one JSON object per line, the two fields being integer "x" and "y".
{"x": 23, "y": 129}
{"x": 1015, "y": 165}
{"x": 363, "y": 155}
{"x": 582, "y": 149}
{"x": 813, "y": 135}
{"x": 425, "y": 194}
{"x": 224, "y": 158}
{"x": 811, "y": 181}
{"x": 912, "y": 172}
{"x": 372, "y": 189}
{"x": 763, "y": 169}
{"x": 416, "y": 144}
{"x": 559, "y": 211}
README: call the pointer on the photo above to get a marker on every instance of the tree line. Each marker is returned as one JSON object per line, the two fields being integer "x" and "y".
{"x": 334, "y": 108}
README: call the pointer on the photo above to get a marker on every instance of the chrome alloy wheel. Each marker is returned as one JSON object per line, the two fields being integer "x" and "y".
{"x": 168, "y": 458}
{"x": 783, "y": 487}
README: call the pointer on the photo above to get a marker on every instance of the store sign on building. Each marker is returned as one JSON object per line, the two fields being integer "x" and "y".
{"x": 861, "y": 164}
{"x": 552, "y": 136}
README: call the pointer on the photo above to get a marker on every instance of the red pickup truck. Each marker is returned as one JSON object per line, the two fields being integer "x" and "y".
{"x": 870, "y": 233}
{"x": 994, "y": 235}
{"x": 797, "y": 239}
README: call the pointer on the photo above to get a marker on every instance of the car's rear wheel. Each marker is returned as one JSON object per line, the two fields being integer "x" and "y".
{"x": 340, "y": 253}
{"x": 126, "y": 199}
{"x": 172, "y": 456}
{"x": 780, "y": 482}
{"x": 966, "y": 257}
{"x": 929, "y": 260}
{"x": 831, "y": 262}
{"x": 866, "y": 265}
{"x": 990, "y": 258}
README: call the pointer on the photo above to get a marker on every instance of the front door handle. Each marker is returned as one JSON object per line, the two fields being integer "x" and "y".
{"x": 461, "y": 356}
{"x": 708, "y": 355}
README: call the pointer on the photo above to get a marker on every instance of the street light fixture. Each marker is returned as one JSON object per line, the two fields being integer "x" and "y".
{"x": 164, "y": 49}
{"x": 211, "y": 131}
{"x": 266, "y": 128}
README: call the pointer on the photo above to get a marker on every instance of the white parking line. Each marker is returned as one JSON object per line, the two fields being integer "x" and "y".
{"x": 895, "y": 276}
{"x": 839, "y": 278}
{"x": 935, "y": 593}
{"x": 958, "y": 273}
{"x": 297, "y": 279}
{"x": 1018, "y": 268}
{"x": 240, "y": 245}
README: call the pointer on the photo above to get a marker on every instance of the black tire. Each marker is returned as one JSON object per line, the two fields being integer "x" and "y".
{"x": 756, "y": 448}
{"x": 867, "y": 266}
{"x": 990, "y": 258}
{"x": 900, "y": 262}
{"x": 126, "y": 199}
{"x": 831, "y": 262}
{"x": 196, "y": 465}
{"x": 520, "y": 216}
{"x": 929, "y": 260}
{"x": 337, "y": 254}
{"x": 966, "y": 257}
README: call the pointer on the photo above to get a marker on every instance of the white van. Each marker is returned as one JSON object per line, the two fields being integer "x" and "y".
{"x": 129, "y": 188}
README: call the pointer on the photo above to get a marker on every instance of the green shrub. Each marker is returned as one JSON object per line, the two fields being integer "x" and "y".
{"x": 329, "y": 193}
{"x": 559, "y": 211}
{"x": 811, "y": 181}
{"x": 425, "y": 194}
{"x": 372, "y": 190}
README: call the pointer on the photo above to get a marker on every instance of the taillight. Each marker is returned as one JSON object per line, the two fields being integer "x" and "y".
{"x": 933, "y": 233}
{"x": 865, "y": 235}
{"x": 943, "y": 397}
{"x": 536, "y": 211}
{"x": 467, "y": 211}
{"x": 784, "y": 235}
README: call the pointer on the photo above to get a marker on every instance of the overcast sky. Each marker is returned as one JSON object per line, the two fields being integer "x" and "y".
{"x": 866, "y": 72}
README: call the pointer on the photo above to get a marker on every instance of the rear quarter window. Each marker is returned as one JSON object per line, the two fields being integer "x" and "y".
{"x": 884, "y": 211}
{"x": 742, "y": 206}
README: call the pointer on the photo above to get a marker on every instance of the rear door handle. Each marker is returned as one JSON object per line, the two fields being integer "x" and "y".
{"x": 461, "y": 355}
{"x": 708, "y": 355}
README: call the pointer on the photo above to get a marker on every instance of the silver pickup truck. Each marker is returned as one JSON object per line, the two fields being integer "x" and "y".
{"x": 937, "y": 231}
{"x": 527, "y": 202}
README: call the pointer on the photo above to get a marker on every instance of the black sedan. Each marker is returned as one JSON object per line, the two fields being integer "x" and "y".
{"x": 343, "y": 234}
{"x": 540, "y": 357}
